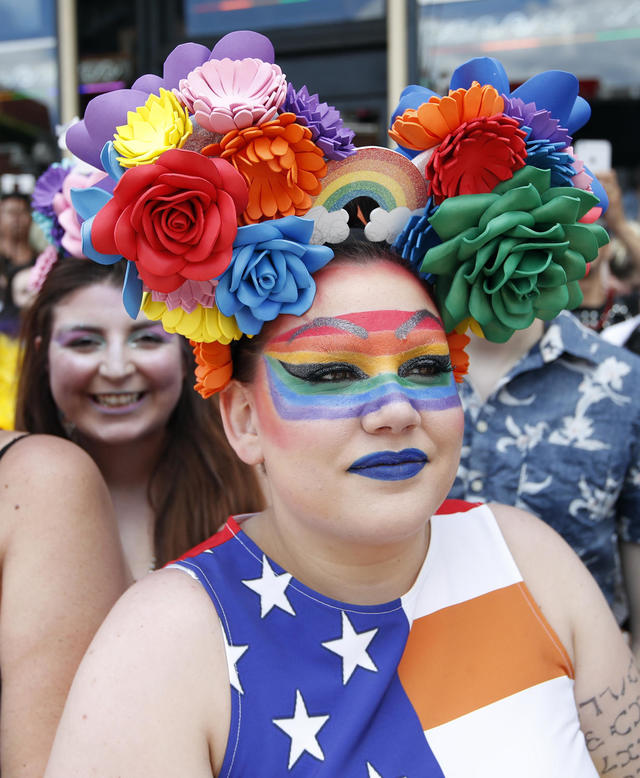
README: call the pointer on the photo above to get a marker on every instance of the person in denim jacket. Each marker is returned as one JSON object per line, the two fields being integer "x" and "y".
{"x": 551, "y": 426}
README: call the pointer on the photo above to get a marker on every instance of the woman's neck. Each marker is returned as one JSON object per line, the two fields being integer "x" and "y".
{"x": 127, "y": 471}
{"x": 348, "y": 571}
{"x": 126, "y": 465}
{"x": 489, "y": 362}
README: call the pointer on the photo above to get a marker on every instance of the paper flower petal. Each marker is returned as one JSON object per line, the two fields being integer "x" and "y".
{"x": 513, "y": 254}
{"x": 213, "y": 367}
{"x": 270, "y": 272}
{"x": 175, "y": 218}
{"x": 188, "y": 296}
{"x": 244, "y": 43}
{"x": 554, "y": 90}
{"x": 202, "y": 324}
{"x": 231, "y": 94}
{"x": 103, "y": 114}
{"x": 323, "y": 120}
{"x": 484, "y": 70}
{"x": 160, "y": 124}
{"x": 280, "y": 163}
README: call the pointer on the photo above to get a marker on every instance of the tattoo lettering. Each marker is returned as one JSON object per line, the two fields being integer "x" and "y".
{"x": 627, "y": 755}
{"x": 591, "y": 701}
{"x": 627, "y": 719}
{"x": 593, "y": 741}
{"x": 614, "y": 735}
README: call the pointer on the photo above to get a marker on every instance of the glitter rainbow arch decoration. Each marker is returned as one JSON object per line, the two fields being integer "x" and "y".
{"x": 384, "y": 175}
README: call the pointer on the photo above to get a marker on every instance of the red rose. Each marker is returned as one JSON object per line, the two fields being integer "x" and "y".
{"x": 175, "y": 218}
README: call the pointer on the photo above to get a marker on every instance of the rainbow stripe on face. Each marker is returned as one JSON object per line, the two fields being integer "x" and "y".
{"x": 378, "y": 346}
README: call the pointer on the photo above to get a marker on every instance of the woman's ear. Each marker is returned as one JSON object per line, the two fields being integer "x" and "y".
{"x": 238, "y": 419}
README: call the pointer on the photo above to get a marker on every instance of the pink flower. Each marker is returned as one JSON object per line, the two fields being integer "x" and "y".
{"x": 40, "y": 270}
{"x": 581, "y": 180}
{"x": 228, "y": 94}
{"x": 71, "y": 240}
{"x": 188, "y": 296}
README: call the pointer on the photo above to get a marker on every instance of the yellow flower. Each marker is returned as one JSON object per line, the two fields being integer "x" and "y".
{"x": 161, "y": 123}
{"x": 202, "y": 324}
{"x": 8, "y": 380}
{"x": 469, "y": 324}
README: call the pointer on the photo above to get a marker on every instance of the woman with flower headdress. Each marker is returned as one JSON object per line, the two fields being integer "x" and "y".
{"x": 361, "y": 625}
{"x": 121, "y": 389}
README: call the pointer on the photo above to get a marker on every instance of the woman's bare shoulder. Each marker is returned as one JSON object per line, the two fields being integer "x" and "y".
{"x": 159, "y": 657}
{"x": 565, "y": 590}
{"x": 50, "y": 485}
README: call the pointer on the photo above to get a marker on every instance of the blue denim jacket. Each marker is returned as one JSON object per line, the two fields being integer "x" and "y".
{"x": 559, "y": 438}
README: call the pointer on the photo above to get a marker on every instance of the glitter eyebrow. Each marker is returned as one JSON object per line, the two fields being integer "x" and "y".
{"x": 331, "y": 321}
{"x": 412, "y": 322}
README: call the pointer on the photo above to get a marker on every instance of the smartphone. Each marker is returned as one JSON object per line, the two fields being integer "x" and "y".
{"x": 596, "y": 154}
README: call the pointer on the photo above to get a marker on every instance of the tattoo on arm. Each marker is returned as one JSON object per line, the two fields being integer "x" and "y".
{"x": 614, "y": 741}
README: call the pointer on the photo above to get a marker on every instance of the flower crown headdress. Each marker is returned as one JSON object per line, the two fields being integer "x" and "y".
{"x": 222, "y": 183}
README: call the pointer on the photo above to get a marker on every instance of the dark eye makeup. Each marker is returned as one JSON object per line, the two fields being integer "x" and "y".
{"x": 428, "y": 366}
{"x": 321, "y": 372}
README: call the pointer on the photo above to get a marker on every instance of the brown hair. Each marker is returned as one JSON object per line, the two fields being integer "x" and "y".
{"x": 212, "y": 482}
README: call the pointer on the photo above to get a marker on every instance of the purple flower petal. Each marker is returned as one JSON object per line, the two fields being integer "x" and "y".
{"x": 103, "y": 114}
{"x": 244, "y": 43}
{"x": 324, "y": 121}
{"x": 554, "y": 90}
{"x": 541, "y": 123}
{"x": 182, "y": 60}
{"x": 48, "y": 185}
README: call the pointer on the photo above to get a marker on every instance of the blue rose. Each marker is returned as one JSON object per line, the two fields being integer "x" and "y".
{"x": 270, "y": 272}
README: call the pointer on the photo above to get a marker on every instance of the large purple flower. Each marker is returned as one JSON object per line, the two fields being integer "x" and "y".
{"x": 48, "y": 185}
{"x": 105, "y": 112}
{"x": 324, "y": 121}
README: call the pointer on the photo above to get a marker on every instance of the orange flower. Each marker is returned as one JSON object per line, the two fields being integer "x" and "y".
{"x": 459, "y": 358}
{"x": 429, "y": 125}
{"x": 214, "y": 368}
{"x": 280, "y": 163}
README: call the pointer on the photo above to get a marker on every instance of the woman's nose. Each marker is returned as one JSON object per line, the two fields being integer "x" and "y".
{"x": 391, "y": 413}
{"x": 117, "y": 363}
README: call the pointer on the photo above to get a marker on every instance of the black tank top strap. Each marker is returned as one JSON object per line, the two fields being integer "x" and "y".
{"x": 7, "y": 446}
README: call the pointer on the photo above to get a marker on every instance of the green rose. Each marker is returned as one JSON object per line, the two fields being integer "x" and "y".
{"x": 512, "y": 255}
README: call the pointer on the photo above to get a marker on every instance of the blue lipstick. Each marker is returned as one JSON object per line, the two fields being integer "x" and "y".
{"x": 390, "y": 465}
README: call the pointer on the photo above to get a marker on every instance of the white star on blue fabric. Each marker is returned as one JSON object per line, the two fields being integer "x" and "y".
{"x": 303, "y": 730}
{"x": 352, "y": 647}
{"x": 233, "y": 654}
{"x": 271, "y": 587}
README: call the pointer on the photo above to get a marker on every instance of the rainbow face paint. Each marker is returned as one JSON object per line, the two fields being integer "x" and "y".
{"x": 351, "y": 365}
{"x": 390, "y": 465}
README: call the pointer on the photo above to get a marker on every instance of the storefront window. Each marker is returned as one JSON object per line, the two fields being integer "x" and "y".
{"x": 204, "y": 17}
{"x": 598, "y": 42}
